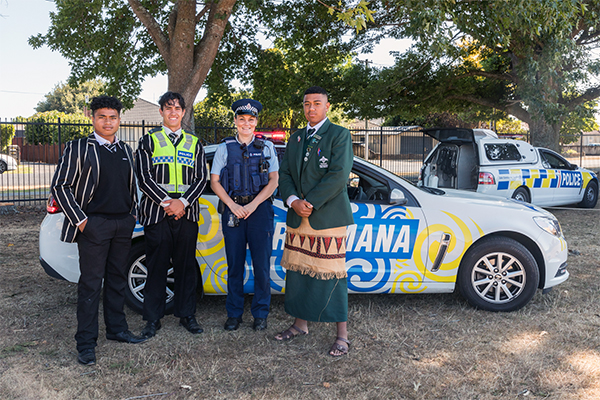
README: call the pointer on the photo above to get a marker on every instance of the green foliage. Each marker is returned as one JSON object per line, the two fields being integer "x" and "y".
{"x": 511, "y": 126}
{"x": 71, "y": 99}
{"x": 581, "y": 120}
{"x": 45, "y": 129}
{"x": 530, "y": 59}
{"x": 310, "y": 47}
{"x": 102, "y": 39}
{"x": 208, "y": 113}
{"x": 7, "y": 133}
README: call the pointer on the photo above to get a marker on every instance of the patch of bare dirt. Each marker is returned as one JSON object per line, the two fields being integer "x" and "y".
{"x": 403, "y": 347}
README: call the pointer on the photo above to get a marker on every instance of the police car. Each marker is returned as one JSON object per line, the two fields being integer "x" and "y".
{"x": 405, "y": 240}
{"x": 476, "y": 160}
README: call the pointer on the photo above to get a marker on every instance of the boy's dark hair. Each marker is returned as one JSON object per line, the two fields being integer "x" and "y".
{"x": 169, "y": 97}
{"x": 105, "y": 101}
{"x": 316, "y": 90}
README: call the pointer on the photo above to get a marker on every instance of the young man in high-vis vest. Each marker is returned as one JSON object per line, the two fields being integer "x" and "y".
{"x": 171, "y": 172}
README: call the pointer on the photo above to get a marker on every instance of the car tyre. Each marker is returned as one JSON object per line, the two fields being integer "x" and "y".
{"x": 137, "y": 273}
{"x": 590, "y": 197}
{"x": 3, "y": 167}
{"x": 521, "y": 194}
{"x": 505, "y": 288}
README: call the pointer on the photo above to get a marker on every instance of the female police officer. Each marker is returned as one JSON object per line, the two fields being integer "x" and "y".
{"x": 244, "y": 175}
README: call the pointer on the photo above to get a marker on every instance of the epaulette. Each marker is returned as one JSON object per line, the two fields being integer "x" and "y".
{"x": 155, "y": 130}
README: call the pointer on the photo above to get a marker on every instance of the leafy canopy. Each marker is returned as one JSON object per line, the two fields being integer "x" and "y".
{"x": 71, "y": 99}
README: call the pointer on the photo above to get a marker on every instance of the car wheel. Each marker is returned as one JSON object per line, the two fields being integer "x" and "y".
{"x": 136, "y": 280}
{"x": 498, "y": 274}
{"x": 521, "y": 194}
{"x": 3, "y": 167}
{"x": 590, "y": 197}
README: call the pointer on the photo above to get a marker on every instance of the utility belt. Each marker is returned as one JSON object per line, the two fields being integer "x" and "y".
{"x": 242, "y": 200}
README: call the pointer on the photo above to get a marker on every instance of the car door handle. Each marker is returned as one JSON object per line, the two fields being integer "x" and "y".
{"x": 203, "y": 207}
{"x": 441, "y": 252}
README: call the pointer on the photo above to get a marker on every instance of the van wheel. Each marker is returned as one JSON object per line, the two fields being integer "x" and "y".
{"x": 498, "y": 274}
{"x": 521, "y": 194}
{"x": 136, "y": 280}
{"x": 3, "y": 167}
{"x": 590, "y": 197}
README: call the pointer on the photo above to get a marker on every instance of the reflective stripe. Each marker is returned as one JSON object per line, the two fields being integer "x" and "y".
{"x": 162, "y": 138}
{"x": 188, "y": 142}
{"x": 171, "y": 188}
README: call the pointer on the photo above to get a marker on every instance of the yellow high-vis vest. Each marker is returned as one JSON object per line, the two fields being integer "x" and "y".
{"x": 175, "y": 157}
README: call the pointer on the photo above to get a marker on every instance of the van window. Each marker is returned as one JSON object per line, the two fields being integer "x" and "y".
{"x": 502, "y": 152}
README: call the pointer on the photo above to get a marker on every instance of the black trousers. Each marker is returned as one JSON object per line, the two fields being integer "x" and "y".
{"x": 103, "y": 251}
{"x": 169, "y": 241}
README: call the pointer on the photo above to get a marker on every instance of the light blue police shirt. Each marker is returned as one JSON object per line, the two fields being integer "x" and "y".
{"x": 220, "y": 157}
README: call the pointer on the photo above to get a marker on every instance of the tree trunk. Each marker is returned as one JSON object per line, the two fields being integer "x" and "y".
{"x": 544, "y": 134}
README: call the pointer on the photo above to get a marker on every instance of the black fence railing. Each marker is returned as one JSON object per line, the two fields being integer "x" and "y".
{"x": 28, "y": 160}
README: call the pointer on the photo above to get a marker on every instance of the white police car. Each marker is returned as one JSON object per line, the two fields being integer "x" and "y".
{"x": 7, "y": 163}
{"x": 476, "y": 160}
{"x": 406, "y": 240}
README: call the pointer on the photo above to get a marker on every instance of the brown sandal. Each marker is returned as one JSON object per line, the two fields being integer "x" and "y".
{"x": 339, "y": 347}
{"x": 288, "y": 334}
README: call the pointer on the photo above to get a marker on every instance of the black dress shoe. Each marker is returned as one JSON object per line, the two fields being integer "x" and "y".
{"x": 87, "y": 357}
{"x": 232, "y": 324}
{"x": 260, "y": 324}
{"x": 126, "y": 337}
{"x": 150, "y": 328}
{"x": 191, "y": 324}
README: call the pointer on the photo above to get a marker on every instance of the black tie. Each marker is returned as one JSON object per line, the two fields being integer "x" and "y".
{"x": 112, "y": 147}
{"x": 310, "y": 132}
{"x": 173, "y": 137}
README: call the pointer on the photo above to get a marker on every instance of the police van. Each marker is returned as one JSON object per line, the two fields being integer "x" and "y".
{"x": 477, "y": 160}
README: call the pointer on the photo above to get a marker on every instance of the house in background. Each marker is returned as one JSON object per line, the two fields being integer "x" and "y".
{"x": 143, "y": 113}
{"x": 143, "y": 110}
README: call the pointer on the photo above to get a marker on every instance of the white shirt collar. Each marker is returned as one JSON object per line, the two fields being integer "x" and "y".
{"x": 168, "y": 131}
{"x": 317, "y": 126}
{"x": 101, "y": 141}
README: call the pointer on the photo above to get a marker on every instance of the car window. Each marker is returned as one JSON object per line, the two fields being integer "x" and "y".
{"x": 554, "y": 160}
{"x": 502, "y": 152}
{"x": 364, "y": 188}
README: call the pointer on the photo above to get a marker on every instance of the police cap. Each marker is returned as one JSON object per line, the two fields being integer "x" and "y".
{"x": 246, "y": 106}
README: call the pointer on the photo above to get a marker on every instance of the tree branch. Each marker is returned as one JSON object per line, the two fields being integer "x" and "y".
{"x": 172, "y": 22}
{"x": 514, "y": 108}
{"x": 157, "y": 35}
{"x": 504, "y": 77}
{"x": 588, "y": 95}
{"x": 202, "y": 12}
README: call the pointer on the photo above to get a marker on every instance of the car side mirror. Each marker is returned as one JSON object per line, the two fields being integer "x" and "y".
{"x": 574, "y": 167}
{"x": 397, "y": 198}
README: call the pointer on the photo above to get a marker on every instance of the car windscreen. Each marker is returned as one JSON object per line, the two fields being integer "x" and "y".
{"x": 502, "y": 152}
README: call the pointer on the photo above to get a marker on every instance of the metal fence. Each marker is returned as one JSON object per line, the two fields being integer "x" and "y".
{"x": 401, "y": 150}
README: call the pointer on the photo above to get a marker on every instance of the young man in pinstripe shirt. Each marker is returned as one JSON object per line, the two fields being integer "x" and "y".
{"x": 95, "y": 187}
{"x": 171, "y": 172}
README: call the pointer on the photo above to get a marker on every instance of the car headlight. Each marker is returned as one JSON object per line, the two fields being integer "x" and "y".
{"x": 550, "y": 225}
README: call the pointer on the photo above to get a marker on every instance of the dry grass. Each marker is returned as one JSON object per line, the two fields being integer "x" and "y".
{"x": 403, "y": 347}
